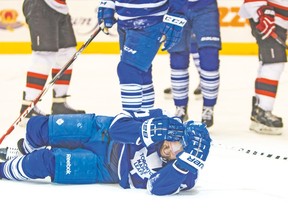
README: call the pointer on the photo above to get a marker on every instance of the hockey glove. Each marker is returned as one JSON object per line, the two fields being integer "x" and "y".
{"x": 172, "y": 30}
{"x": 106, "y": 11}
{"x": 196, "y": 143}
{"x": 158, "y": 129}
{"x": 266, "y": 24}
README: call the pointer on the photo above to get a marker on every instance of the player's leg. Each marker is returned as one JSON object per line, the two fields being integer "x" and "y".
{"x": 81, "y": 166}
{"x": 272, "y": 58}
{"x": 148, "y": 90}
{"x": 195, "y": 56}
{"x": 65, "y": 131}
{"x": 137, "y": 90}
{"x": 37, "y": 165}
{"x": 207, "y": 31}
{"x": 179, "y": 62}
{"x": 42, "y": 24}
{"x": 209, "y": 82}
{"x": 65, "y": 166}
{"x": 36, "y": 79}
{"x": 179, "y": 74}
{"x": 67, "y": 48}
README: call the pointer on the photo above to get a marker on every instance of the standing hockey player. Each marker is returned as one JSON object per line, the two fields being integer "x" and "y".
{"x": 203, "y": 22}
{"x": 197, "y": 92}
{"x": 142, "y": 27}
{"x": 135, "y": 149}
{"x": 268, "y": 19}
{"x": 53, "y": 44}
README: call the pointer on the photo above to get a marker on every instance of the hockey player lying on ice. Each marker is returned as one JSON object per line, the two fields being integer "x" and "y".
{"x": 135, "y": 149}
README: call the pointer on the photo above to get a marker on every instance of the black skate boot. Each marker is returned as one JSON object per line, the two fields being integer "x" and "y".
{"x": 264, "y": 122}
{"x": 181, "y": 112}
{"x": 168, "y": 93}
{"x": 198, "y": 93}
{"x": 20, "y": 146}
{"x": 9, "y": 153}
{"x": 60, "y": 106}
{"x": 34, "y": 112}
{"x": 207, "y": 116}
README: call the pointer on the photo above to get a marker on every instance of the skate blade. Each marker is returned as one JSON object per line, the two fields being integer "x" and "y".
{"x": 263, "y": 129}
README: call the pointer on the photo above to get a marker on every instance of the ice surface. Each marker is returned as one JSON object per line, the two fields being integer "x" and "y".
{"x": 232, "y": 183}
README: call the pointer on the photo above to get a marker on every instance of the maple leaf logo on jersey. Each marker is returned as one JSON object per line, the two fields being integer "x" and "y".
{"x": 144, "y": 164}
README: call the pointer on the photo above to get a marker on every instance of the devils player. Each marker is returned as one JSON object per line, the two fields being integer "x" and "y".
{"x": 53, "y": 44}
{"x": 268, "y": 19}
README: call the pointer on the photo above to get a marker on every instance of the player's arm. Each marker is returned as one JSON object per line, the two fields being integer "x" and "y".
{"x": 173, "y": 21}
{"x": 249, "y": 9}
{"x": 169, "y": 180}
{"x": 262, "y": 14}
{"x": 106, "y": 11}
{"x": 181, "y": 173}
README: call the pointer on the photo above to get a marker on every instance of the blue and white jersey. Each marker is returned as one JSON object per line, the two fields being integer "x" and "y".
{"x": 135, "y": 14}
{"x": 142, "y": 167}
{"x": 198, "y": 4}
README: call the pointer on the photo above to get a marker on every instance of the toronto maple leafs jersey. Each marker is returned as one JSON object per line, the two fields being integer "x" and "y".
{"x": 137, "y": 14}
{"x": 140, "y": 166}
{"x": 198, "y": 4}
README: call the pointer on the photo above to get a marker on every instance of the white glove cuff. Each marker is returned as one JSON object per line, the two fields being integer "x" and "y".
{"x": 107, "y": 4}
{"x": 146, "y": 132}
{"x": 192, "y": 160}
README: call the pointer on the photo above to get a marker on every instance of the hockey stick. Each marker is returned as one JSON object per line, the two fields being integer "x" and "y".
{"x": 50, "y": 84}
{"x": 252, "y": 152}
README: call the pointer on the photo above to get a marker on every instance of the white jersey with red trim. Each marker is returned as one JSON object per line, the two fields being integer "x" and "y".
{"x": 249, "y": 10}
{"x": 58, "y": 5}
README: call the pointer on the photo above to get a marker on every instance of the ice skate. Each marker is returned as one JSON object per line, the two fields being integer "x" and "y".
{"x": 9, "y": 153}
{"x": 207, "y": 116}
{"x": 264, "y": 122}
{"x": 60, "y": 106}
{"x": 181, "y": 112}
{"x": 34, "y": 112}
{"x": 20, "y": 146}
